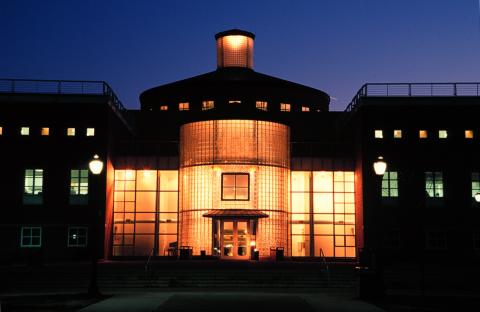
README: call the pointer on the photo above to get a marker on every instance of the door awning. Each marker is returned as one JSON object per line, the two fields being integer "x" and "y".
{"x": 235, "y": 213}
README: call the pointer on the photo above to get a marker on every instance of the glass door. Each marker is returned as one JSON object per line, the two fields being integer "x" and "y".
{"x": 235, "y": 240}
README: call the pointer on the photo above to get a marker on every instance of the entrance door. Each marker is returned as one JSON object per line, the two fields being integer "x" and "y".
{"x": 234, "y": 240}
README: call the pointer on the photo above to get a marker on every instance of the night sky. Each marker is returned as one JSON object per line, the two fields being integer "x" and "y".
{"x": 335, "y": 46}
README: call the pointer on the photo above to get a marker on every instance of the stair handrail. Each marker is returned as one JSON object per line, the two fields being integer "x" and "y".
{"x": 147, "y": 263}
{"x": 325, "y": 264}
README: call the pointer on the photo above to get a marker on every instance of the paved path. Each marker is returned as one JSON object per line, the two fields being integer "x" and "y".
{"x": 230, "y": 301}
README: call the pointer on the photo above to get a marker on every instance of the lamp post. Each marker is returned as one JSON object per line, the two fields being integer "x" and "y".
{"x": 96, "y": 167}
{"x": 477, "y": 197}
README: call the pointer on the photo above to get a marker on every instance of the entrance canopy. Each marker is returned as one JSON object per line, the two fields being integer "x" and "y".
{"x": 235, "y": 214}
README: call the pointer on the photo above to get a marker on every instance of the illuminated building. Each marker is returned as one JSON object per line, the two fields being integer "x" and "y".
{"x": 234, "y": 161}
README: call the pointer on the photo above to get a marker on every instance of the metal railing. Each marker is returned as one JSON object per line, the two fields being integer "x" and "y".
{"x": 323, "y": 259}
{"x": 73, "y": 87}
{"x": 415, "y": 89}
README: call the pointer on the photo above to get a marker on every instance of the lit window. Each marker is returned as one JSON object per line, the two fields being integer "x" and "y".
{"x": 1, "y": 130}
{"x": 45, "y": 131}
{"x": 468, "y": 134}
{"x": 31, "y": 236}
{"x": 285, "y": 107}
{"x": 397, "y": 134}
{"x": 305, "y": 109}
{"x": 423, "y": 134}
{"x": 77, "y": 236}
{"x": 33, "y": 187}
{"x": 475, "y": 183}
{"x": 434, "y": 184}
{"x": 436, "y": 240}
{"x": 78, "y": 186}
{"x": 164, "y": 107}
{"x": 235, "y": 186}
{"x": 71, "y": 131}
{"x": 90, "y": 131}
{"x": 206, "y": 105}
{"x": 234, "y": 102}
{"x": 442, "y": 134}
{"x": 390, "y": 184}
{"x": 261, "y": 105}
{"x": 378, "y": 134}
{"x": 25, "y": 131}
{"x": 183, "y": 106}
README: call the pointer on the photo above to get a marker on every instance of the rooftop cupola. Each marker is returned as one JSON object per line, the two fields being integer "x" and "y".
{"x": 235, "y": 48}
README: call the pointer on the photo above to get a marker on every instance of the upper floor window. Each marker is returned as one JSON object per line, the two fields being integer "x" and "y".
{"x": 235, "y": 186}
{"x": 90, "y": 132}
{"x": 378, "y": 134}
{"x": 434, "y": 184}
{"x": 183, "y": 106}
{"x": 78, "y": 186}
{"x": 70, "y": 131}
{"x": 285, "y": 107}
{"x": 423, "y": 134}
{"x": 397, "y": 134}
{"x": 31, "y": 236}
{"x": 475, "y": 183}
{"x": 33, "y": 186}
{"x": 468, "y": 134}
{"x": 261, "y": 105}
{"x": 206, "y": 105}
{"x": 164, "y": 107}
{"x": 305, "y": 109}
{"x": 77, "y": 236}
{"x": 390, "y": 184}
{"x": 234, "y": 102}
{"x": 45, "y": 131}
{"x": 25, "y": 131}
{"x": 442, "y": 134}
{"x": 1, "y": 130}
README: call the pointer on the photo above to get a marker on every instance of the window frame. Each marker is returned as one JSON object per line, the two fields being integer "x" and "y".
{"x": 31, "y": 236}
{"x": 184, "y": 106}
{"x": 235, "y": 174}
{"x": 77, "y": 228}
{"x": 389, "y": 188}
{"x": 434, "y": 181}
{"x": 208, "y": 104}
{"x": 285, "y": 107}
{"x": 261, "y": 105}
{"x": 33, "y": 198}
{"x": 78, "y": 198}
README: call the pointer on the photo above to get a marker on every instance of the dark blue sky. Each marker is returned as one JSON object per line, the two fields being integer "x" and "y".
{"x": 334, "y": 45}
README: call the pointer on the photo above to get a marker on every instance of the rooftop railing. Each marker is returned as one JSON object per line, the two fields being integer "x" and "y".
{"x": 73, "y": 87}
{"x": 414, "y": 89}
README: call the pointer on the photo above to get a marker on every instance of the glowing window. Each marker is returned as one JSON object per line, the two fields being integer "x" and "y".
{"x": 423, "y": 134}
{"x": 234, "y": 102}
{"x": 78, "y": 186}
{"x": 90, "y": 132}
{"x": 70, "y": 131}
{"x": 475, "y": 183}
{"x": 434, "y": 184}
{"x": 285, "y": 107}
{"x": 45, "y": 131}
{"x": 235, "y": 186}
{"x": 468, "y": 134}
{"x": 183, "y": 106}
{"x": 305, "y": 109}
{"x": 77, "y": 236}
{"x": 378, "y": 134}
{"x": 33, "y": 187}
{"x": 261, "y": 105}
{"x": 397, "y": 134}
{"x": 164, "y": 107}
{"x": 442, "y": 134}
{"x": 206, "y": 105}
{"x": 390, "y": 184}
{"x": 25, "y": 131}
{"x": 31, "y": 236}
{"x": 1, "y": 130}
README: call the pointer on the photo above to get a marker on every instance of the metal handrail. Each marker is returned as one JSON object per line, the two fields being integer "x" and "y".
{"x": 147, "y": 263}
{"x": 73, "y": 87}
{"x": 325, "y": 264}
{"x": 407, "y": 89}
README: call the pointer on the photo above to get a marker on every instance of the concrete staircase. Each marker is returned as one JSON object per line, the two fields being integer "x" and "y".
{"x": 180, "y": 274}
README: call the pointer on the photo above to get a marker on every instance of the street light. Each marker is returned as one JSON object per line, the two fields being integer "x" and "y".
{"x": 380, "y": 166}
{"x": 477, "y": 197}
{"x": 96, "y": 167}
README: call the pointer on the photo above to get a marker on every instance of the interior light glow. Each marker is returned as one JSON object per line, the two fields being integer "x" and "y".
{"x": 380, "y": 166}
